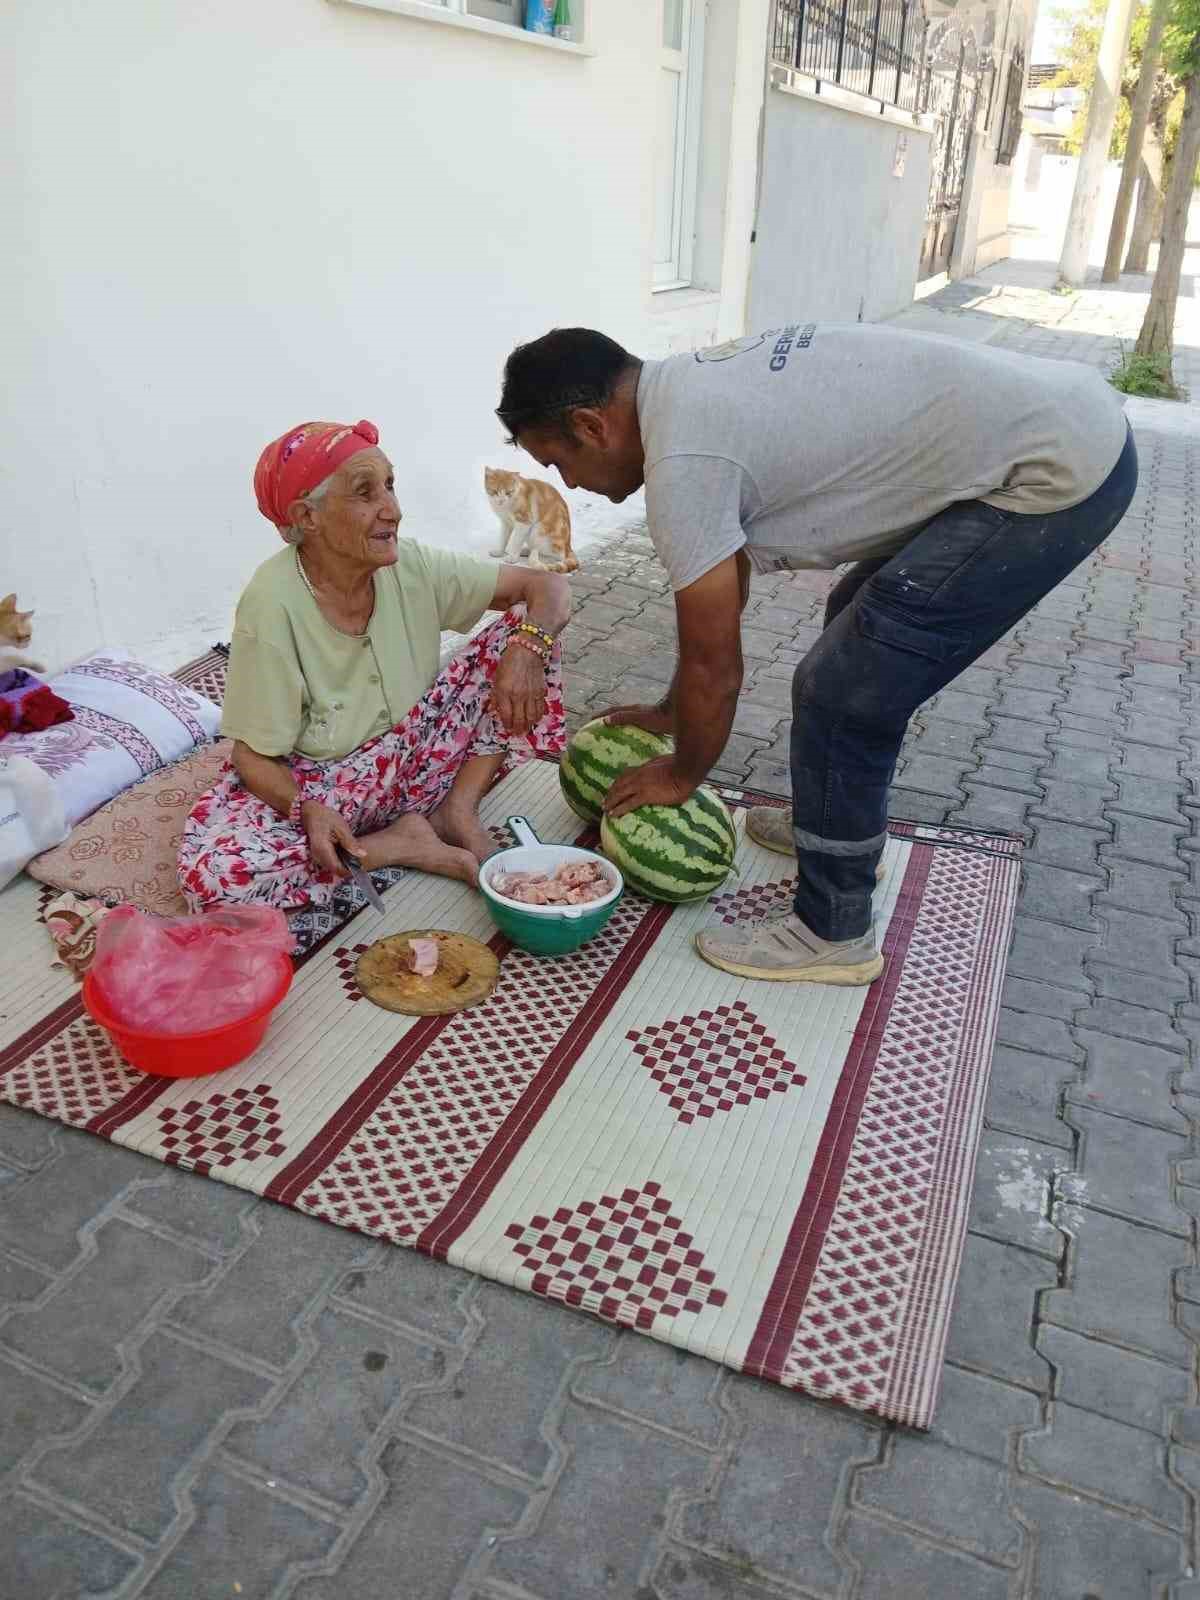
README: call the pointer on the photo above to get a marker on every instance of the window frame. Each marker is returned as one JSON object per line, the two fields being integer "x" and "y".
{"x": 675, "y": 271}
{"x": 454, "y": 14}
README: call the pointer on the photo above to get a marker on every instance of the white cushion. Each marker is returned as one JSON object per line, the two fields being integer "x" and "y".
{"x": 129, "y": 722}
{"x": 31, "y": 815}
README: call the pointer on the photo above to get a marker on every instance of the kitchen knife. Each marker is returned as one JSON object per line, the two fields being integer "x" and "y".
{"x": 362, "y": 879}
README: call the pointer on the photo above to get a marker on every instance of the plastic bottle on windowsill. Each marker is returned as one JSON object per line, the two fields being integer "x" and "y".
{"x": 563, "y": 27}
{"x": 539, "y": 16}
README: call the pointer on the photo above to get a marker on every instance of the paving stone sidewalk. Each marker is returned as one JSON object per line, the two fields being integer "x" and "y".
{"x": 1015, "y": 306}
{"x": 205, "y": 1396}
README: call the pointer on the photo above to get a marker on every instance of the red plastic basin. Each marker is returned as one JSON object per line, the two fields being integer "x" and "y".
{"x": 189, "y": 1055}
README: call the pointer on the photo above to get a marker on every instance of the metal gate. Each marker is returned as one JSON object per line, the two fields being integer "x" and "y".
{"x": 951, "y": 93}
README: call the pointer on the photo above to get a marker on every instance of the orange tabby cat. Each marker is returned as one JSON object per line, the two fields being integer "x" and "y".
{"x": 534, "y": 520}
{"x": 15, "y": 634}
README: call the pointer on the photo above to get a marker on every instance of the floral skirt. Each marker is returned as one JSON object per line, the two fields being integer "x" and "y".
{"x": 237, "y": 848}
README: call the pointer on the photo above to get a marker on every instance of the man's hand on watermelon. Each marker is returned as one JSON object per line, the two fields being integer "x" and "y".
{"x": 657, "y": 782}
{"x": 701, "y": 702}
{"x": 653, "y": 719}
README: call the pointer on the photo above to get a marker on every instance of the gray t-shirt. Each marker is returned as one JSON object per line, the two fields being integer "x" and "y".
{"x": 818, "y": 444}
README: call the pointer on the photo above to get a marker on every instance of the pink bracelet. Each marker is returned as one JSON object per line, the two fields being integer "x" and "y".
{"x": 528, "y": 644}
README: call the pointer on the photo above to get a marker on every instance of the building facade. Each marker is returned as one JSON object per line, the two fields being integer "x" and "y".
{"x": 226, "y": 218}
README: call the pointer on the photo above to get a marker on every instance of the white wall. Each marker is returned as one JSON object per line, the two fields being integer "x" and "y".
{"x": 1048, "y": 199}
{"x": 838, "y": 236}
{"x": 1041, "y": 200}
{"x": 225, "y": 217}
{"x": 988, "y": 240}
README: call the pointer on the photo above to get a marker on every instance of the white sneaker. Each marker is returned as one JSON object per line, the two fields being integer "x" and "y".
{"x": 771, "y": 826}
{"x": 786, "y": 950}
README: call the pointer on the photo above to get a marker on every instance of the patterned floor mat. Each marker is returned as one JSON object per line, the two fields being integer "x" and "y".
{"x": 774, "y": 1176}
{"x": 208, "y": 673}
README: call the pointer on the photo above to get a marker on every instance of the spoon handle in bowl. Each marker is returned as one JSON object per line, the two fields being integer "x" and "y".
{"x": 522, "y": 830}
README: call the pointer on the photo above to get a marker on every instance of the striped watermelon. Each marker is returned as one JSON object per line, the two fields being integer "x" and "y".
{"x": 596, "y": 756}
{"x": 673, "y": 852}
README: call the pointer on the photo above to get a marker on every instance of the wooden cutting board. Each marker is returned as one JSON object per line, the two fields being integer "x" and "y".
{"x": 467, "y": 973}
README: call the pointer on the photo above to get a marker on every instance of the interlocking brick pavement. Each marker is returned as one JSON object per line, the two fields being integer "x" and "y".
{"x": 204, "y": 1396}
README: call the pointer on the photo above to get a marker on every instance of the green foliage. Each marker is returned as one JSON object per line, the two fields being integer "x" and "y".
{"x": 1079, "y": 67}
{"x": 1146, "y": 375}
{"x": 1181, "y": 57}
{"x": 1081, "y": 44}
{"x": 1181, "y": 42}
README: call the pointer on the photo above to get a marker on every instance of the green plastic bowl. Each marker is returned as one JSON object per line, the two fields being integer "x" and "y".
{"x": 545, "y": 930}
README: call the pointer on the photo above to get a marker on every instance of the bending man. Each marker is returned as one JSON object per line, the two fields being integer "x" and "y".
{"x": 964, "y": 483}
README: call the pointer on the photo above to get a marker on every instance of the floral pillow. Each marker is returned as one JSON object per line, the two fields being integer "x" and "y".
{"x": 127, "y": 851}
{"x": 130, "y": 721}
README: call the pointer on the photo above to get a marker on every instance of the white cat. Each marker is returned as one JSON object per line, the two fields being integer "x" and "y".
{"x": 15, "y": 636}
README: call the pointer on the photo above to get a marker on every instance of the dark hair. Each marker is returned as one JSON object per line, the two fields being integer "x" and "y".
{"x": 551, "y": 376}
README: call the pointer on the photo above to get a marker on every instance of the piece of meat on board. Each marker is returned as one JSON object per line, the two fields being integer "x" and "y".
{"x": 423, "y": 957}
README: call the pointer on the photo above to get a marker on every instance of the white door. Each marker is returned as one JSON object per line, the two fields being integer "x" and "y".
{"x": 677, "y": 140}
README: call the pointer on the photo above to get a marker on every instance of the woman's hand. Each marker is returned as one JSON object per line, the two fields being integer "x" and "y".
{"x": 653, "y": 719}
{"x": 519, "y": 689}
{"x": 654, "y": 783}
{"x": 325, "y": 831}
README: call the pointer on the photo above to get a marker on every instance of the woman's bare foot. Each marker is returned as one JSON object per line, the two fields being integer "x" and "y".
{"x": 459, "y": 824}
{"x": 412, "y": 842}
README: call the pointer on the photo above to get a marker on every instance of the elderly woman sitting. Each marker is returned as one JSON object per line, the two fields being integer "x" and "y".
{"x": 345, "y": 732}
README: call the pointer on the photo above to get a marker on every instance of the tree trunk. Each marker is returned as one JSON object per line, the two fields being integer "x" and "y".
{"x": 1147, "y": 221}
{"x": 1160, "y": 205}
{"x": 1093, "y": 157}
{"x": 1139, "y": 117}
{"x": 1158, "y": 328}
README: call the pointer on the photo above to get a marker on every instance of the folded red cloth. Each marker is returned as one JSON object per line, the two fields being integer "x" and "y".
{"x": 33, "y": 711}
{"x": 43, "y": 709}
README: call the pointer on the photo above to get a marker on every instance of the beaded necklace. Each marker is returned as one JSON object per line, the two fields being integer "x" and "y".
{"x": 305, "y": 581}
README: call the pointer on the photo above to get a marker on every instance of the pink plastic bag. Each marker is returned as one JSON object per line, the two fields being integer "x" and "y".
{"x": 189, "y": 974}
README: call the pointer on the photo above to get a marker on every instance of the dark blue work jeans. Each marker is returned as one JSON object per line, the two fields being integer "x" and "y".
{"x": 896, "y": 632}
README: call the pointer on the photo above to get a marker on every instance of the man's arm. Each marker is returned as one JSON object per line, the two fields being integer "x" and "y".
{"x": 660, "y": 718}
{"x": 743, "y": 578}
{"x": 703, "y": 697}
{"x": 708, "y": 678}
{"x": 743, "y": 572}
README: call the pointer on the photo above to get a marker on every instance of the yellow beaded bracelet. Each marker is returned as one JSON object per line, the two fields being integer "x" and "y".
{"x": 537, "y": 633}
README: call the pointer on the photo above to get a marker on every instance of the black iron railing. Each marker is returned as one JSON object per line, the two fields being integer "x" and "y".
{"x": 871, "y": 47}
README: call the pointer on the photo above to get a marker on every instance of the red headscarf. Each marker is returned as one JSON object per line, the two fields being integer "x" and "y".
{"x": 294, "y": 464}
